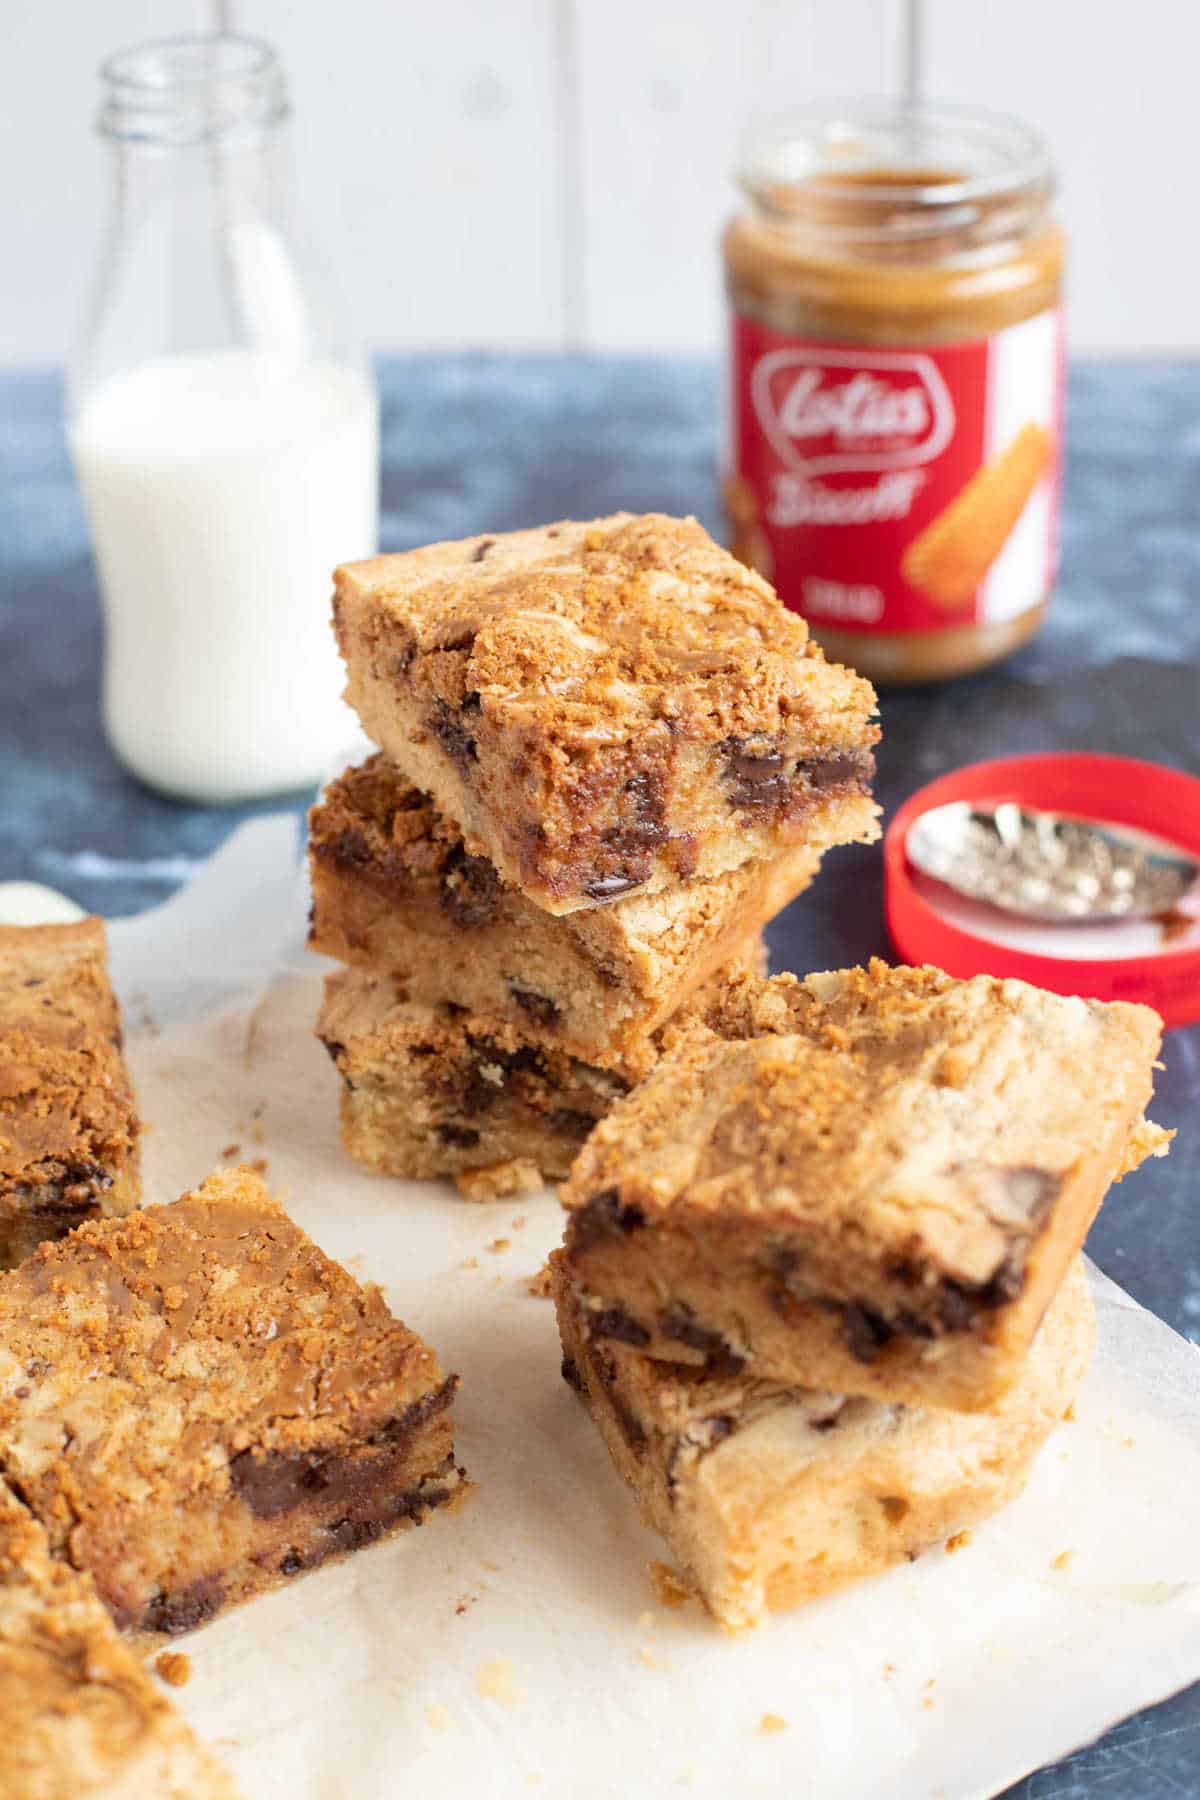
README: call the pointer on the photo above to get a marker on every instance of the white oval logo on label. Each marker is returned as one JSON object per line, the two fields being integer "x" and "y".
{"x": 826, "y": 410}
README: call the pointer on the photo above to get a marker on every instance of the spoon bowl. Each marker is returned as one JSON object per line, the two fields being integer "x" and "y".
{"x": 1048, "y": 865}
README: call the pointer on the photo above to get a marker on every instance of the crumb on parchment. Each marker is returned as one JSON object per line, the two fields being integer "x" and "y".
{"x": 1063, "y": 1560}
{"x": 498, "y": 1245}
{"x": 959, "y": 1541}
{"x": 173, "y": 1667}
{"x": 499, "y": 1181}
{"x": 771, "y": 1723}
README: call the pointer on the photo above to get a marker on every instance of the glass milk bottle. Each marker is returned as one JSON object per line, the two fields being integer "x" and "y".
{"x": 225, "y": 432}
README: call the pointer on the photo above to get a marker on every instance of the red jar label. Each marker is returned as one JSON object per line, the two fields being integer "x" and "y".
{"x": 898, "y": 490}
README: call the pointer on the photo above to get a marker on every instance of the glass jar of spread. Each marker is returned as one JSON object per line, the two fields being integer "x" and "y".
{"x": 895, "y": 401}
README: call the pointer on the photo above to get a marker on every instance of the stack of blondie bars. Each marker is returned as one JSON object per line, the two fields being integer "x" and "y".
{"x": 608, "y": 756}
{"x": 821, "y": 1287}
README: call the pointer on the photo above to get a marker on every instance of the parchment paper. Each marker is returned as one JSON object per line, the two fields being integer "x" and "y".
{"x": 519, "y": 1644}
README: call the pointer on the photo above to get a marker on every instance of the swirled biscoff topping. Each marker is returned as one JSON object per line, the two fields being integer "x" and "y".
{"x": 598, "y": 626}
{"x": 179, "y": 1336}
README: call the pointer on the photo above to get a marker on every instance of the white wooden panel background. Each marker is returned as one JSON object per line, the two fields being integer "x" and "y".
{"x": 555, "y": 172}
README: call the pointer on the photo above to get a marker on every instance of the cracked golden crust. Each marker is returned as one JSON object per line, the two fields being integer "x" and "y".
{"x": 771, "y": 1495}
{"x": 68, "y": 1122}
{"x": 602, "y": 625}
{"x": 79, "y": 1715}
{"x": 155, "y": 1371}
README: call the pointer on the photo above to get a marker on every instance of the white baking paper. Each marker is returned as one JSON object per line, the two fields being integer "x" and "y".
{"x": 519, "y": 1645}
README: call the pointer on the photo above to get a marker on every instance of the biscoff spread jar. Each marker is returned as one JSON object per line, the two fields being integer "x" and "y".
{"x": 893, "y": 456}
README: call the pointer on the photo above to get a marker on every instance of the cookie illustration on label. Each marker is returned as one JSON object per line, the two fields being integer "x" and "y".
{"x": 950, "y": 558}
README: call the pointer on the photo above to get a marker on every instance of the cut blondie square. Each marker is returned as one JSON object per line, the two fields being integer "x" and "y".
{"x": 771, "y": 1496}
{"x": 197, "y": 1403}
{"x": 79, "y": 1715}
{"x": 871, "y": 1181}
{"x": 68, "y": 1122}
{"x": 606, "y": 707}
{"x": 395, "y": 890}
{"x": 431, "y": 1091}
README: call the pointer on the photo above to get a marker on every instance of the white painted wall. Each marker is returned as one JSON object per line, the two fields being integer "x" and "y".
{"x": 555, "y": 172}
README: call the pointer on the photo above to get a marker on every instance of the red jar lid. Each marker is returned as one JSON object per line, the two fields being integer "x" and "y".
{"x": 929, "y": 924}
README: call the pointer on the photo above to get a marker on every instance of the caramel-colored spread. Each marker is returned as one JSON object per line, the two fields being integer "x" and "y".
{"x": 832, "y": 259}
{"x": 908, "y": 258}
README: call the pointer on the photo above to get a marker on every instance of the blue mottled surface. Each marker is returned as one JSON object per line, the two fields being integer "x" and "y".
{"x": 477, "y": 443}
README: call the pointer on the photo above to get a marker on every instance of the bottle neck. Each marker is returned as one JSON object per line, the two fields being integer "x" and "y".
{"x": 197, "y": 124}
{"x": 178, "y": 93}
{"x": 203, "y": 250}
{"x": 232, "y": 179}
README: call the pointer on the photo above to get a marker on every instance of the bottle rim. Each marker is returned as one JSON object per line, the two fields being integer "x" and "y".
{"x": 192, "y": 88}
{"x": 958, "y": 160}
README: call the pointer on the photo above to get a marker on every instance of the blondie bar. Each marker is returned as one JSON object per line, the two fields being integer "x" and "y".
{"x": 434, "y": 1090}
{"x": 395, "y": 890}
{"x": 79, "y": 1715}
{"x": 607, "y": 706}
{"x": 770, "y": 1496}
{"x": 68, "y": 1122}
{"x": 196, "y": 1403}
{"x": 871, "y": 1181}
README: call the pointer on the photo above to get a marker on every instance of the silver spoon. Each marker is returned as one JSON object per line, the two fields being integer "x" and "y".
{"x": 1046, "y": 865}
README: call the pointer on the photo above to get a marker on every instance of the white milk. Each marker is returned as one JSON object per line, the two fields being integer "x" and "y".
{"x": 222, "y": 490}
